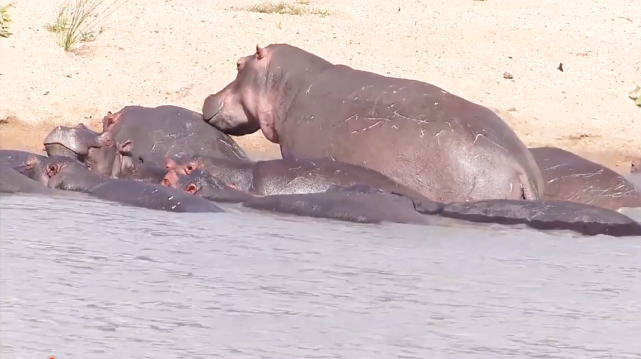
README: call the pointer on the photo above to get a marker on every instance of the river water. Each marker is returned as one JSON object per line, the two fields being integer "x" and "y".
{"x": 81, "y": 278}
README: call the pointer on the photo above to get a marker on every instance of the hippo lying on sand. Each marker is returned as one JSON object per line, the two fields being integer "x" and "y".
{"x": 67, "y": 173}
{"x": 570, "y": 177}
{"x": 441, "y": 145}
{"x": 286, "y": 176}
{"x": 167, "y": 131}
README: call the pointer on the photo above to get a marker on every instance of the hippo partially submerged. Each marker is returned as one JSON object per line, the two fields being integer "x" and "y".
{"x": 439, "y": 144}
{"x": 286, "y": 176}
{"x": 167, "y": 131}
{"x": 570, "y": 177}
{"x": 11, "y": 181}
{"x": 201, "y": 183}
{"x": 67, "y": 173}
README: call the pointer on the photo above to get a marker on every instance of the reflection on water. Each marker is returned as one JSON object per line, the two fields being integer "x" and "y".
{"x": 86, "y": 279}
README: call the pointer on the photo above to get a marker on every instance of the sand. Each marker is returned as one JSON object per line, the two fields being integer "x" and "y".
{"x": 156, "y": 52}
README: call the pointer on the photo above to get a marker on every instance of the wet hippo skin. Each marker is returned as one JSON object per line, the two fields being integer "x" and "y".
{"x": 432, "y": 141}
{"x": 67, "y": 173}
{"x": 573, "y": 178}
{"x": 287, "y": 176}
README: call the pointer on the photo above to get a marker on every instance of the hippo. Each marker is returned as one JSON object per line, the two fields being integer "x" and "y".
{"x": 364, "y": 204}
{"x": 445, "y": 147}
{"x": 582, "y": 218}
{"x": 287, "y": 176}
{"x": 101, "y": 154}
{"x": 201, "y": 183}
{"x": 11, "y": 158}
{"x": 570, "y": 177}
{"x": 345, "y": 205}
{"x": 67, "y": 173}
{"x": 169, "y": 130}
{"x": 12, "y": 181}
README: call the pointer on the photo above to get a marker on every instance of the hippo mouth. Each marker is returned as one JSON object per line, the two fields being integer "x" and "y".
{"x": 57, "y": 149}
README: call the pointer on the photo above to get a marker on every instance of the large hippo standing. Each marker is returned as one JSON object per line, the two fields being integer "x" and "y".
{"x": 446, "y": 147}
{"x": 286, "y": 176}
{"x": 169, "y": 130}
{"x": 571, "y": 177}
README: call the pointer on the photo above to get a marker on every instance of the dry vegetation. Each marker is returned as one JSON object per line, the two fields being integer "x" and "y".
{"x": 66, "y": 61}
{"x": 5, "y": 21}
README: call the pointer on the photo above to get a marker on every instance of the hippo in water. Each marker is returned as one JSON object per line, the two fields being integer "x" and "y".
{"x": 10, "y": 158}
{"x": 201, "y": 183}
{"x": 445, "y": 147}
{"x": 366, "y": 205}
{"x": 570, "y": 177}
{"x": 67, "y": 173}
{"x": 101, "y": 154}
{"x": 287, "y": 176}
{"x": 169, "y": 130}
{"x": 11, "y": 181}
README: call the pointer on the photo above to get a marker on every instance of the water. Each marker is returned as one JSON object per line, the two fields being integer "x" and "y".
{"x": 88, "y": 279}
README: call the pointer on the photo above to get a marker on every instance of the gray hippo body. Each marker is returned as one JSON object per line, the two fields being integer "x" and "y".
{"x": 570, "y": 177}
{"x": 365, "y": 205}
{"x": 201, "y": 183}
{"x": 12, "y": 181}
{"x": 66, "y": 173}
{"x": 101, "y": 154}
{"x": 288, "y": 176}
{"x": 441, "y": 145}
{"x": 167, "y": 131}
{"x": 12, "y": 158}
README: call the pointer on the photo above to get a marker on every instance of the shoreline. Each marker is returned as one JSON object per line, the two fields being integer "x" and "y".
{"x": 14, "y": 133}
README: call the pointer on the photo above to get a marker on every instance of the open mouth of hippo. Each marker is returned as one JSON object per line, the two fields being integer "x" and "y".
{"x": 56, "y": 149}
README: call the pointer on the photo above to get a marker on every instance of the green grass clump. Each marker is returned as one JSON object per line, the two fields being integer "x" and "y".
{"x": 80, "y": 21}
{"x": 5, "y": 20}
{"x": 297, "y": 8}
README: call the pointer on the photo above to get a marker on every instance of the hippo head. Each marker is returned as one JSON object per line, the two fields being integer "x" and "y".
{"x": 194, "y": 182}
{"x": 244, "y": 106}
{"x": 184, "y": 164}
{"x": 71, "y": 141}
{"x": 97, "y": 151}
{"x": 635, "y": 166}
{"x": 41, "y": 169}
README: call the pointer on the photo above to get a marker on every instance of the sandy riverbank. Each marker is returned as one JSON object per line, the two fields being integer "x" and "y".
{"x": 155, "y": 52}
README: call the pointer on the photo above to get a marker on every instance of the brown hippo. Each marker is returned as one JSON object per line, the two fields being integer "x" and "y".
{"x": 67, "y": 173}
{"x": 286, "y": 176}
{"x": 168, "y": 130}
{"x": 573, "y": 178}
{"x": 446, "y": 147}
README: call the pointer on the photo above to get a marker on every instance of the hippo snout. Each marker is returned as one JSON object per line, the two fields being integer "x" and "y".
{"x": 212, "y": 106}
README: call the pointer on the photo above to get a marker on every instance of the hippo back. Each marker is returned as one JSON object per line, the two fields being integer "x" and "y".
{"x": 171, "y": 130}
{"x": 448, "y": 148}
{"x": 570, "y": 177}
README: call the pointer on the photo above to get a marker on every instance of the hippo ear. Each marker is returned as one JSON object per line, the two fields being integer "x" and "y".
{"x": 260, "y": 52}
{"x": 169, "y": 163}
{"x": 126, "y": 147}
{"x": 105, "y": 139}
{"x": 170, "y": 179}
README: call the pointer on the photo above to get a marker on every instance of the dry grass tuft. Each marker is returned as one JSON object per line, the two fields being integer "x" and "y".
{"x": 80, "y": 21}
{"x": 300, "y": 7}
{"x": 5, "y": 20}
